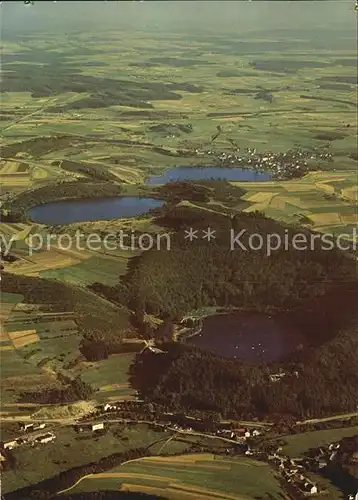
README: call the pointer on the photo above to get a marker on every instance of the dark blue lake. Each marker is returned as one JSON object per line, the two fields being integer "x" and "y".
{"x": 250, "y": 337}
{"x": 68, "y": 211}
{"x": 198, "y": 173}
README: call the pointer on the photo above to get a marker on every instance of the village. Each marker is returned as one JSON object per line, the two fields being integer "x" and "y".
{"x": 294, "y": 473}
{"x": 293, "y": 163}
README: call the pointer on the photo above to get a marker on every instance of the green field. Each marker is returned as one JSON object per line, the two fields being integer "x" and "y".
{"x": 326, "y": 200}
{"x": 109, "y": 377}
{"x": 298, "y": 444}
{"x": 37, "y": 344}
{"x": 194, "y": 476}
{"x": 73, "y": 449}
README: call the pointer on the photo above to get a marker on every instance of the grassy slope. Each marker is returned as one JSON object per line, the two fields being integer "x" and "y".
{"x": 298, "y": 444}
{"x": 72, "y": 449}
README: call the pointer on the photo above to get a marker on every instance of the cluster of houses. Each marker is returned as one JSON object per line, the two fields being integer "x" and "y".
{"x": 33, "y": 439}
{"x": 324, "y": 455}
{"x": 294, "y": 474}
{"x": 353, "y": 496}
{"x": 238, "y": 434}
{"x": 120, "y": 405}
{"x": 276, "y": 377}
{"x": 94, "y": 427}
{"x": 293, "y": 163}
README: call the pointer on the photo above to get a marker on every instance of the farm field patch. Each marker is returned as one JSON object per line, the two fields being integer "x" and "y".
{"x": 194, "y": 475}
{"x": 110, "y": 376}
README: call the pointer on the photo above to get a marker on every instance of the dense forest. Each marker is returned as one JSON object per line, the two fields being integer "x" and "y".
{"x": 95, "y": 171}
{"x": 38, "y": 146}
{"x": 192, "y": 275}
{"x": 187, "y": 378}
{"x": 67, "y": 393}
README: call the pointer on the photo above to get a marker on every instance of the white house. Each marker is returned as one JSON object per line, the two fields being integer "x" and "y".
{"x": 276, "y": 377}
{"x": 311, "y": 488}
{"x": 97, "y": 427}
{"x": 26, "y": 427}
{"x": 314, "y": 489}
{"x": 46, "y": 438}
{"x": 109, "y": 407}
{"x": 39, "y": 426}
{"x": 10, "y": 445}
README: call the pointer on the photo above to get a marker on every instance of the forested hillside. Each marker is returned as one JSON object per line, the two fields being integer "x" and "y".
{"x": 201, "y": 273}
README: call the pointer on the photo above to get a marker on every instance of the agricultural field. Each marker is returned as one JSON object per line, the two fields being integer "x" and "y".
{"x": 149, "y": 100}
{"x": 323, "y": 201}
{"x": 37, "y": 344}
{"x": 56, "y": 261}
{"x": 18, "y": 374}
{"x": 193, "y": 476}
{"x": 109, "y": 377}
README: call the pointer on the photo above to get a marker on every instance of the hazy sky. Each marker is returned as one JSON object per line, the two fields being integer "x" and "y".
{"x": 209, "y": 16}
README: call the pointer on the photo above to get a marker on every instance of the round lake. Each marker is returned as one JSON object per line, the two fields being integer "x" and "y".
{"x": 68, "y": 211}
{"x": 250, "y": 337}
{"x": 198, "y": 173}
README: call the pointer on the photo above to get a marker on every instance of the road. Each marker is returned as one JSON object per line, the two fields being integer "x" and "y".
{"x": 69, "y": 421}
{"x": 344, "y": 416}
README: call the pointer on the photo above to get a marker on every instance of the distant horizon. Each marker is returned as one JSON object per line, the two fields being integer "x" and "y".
{"x": 175, "y": 16}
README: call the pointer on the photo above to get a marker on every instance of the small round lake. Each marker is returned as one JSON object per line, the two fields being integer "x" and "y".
{"x": 68, "y": 211}
{"x": 250, "y": 337}
{"x": 199, "y": 173}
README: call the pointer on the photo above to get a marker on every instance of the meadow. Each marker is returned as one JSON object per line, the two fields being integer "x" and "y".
{"x": 193, "y": 476}
{"x": 110, "y": 377}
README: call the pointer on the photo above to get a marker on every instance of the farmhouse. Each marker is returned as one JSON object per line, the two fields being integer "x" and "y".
{"x": 276, "y": 377}
{"x": 310, "y": 488}
{"x": 32, "y": 427}
{"x": 45, "y": 438}
{"x": 26, "y": 427}
{"x": 322, "y": 463}
{"x": 109, "y": 407}
{"x": 10, "y": 445}
{"x": 97, "y": 427}
{"x": 39, "y": 426}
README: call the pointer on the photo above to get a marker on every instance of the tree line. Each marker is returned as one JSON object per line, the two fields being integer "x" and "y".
{"x": 46, "y": 489}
